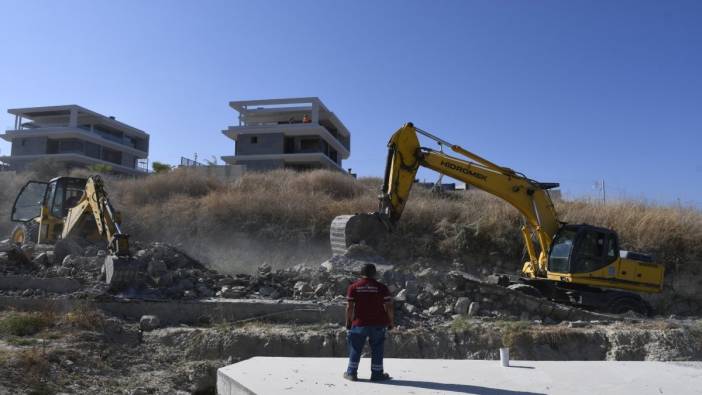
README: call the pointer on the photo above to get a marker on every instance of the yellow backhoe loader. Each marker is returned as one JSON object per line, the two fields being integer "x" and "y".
{"x": 574, "y": 264}
{"x": 68, "y": 209}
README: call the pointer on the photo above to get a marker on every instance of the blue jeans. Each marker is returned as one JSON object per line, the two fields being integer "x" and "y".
{"x": 356, "y": 339}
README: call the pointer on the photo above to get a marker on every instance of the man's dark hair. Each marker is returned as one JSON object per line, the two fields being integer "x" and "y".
{"x": 368, "y": 270}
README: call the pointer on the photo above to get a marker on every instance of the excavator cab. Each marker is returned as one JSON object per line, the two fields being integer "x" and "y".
{"x": 582, "y": 249}
{"x": 41, "y": 207}
{"x": 590, "y": 255}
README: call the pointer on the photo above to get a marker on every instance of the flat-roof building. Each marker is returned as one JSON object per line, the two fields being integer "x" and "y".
{"x": 77, "y": 137}
{"x": 298, "y": 133}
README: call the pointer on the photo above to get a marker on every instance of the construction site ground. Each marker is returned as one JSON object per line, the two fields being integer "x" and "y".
{"x": 63, "y": 331}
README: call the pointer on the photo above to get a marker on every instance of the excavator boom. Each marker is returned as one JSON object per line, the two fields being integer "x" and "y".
{"x": 405, "y": 156}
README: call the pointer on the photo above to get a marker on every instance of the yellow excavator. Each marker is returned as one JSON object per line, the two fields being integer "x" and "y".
{"x": 576, "y": 264}
{"x": 67, "y": 209}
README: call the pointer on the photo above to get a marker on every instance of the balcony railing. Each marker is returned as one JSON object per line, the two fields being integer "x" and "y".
{"x": 126, "y": 141}
{"x": 334, "y": 133}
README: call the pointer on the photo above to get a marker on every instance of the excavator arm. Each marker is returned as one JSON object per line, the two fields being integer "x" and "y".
{"x": 120, "y": 269}
{"x": 95, "y": 203}
{"x": 405, "y": 156}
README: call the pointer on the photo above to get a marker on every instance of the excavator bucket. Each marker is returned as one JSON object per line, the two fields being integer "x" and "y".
{"x": 347, "y": 230}
{"x": 122, "y": 272}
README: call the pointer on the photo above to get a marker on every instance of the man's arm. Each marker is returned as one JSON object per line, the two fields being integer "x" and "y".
{"x": 349, "y": 313}
{"x": 390, "y": 311}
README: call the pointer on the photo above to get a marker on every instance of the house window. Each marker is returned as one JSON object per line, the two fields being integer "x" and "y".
{"x": 254, "y": 140}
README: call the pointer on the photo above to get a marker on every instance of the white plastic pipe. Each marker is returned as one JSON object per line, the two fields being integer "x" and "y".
{"x": 504, "y": 357}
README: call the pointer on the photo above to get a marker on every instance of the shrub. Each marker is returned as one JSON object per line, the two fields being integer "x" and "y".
{"x": 160, "y": 167}
{"x": 100, "y": 168}
{"x": 25, "y": 324}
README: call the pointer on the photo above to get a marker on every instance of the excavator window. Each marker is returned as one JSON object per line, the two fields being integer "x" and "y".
{"x": 29, "y": 201}
{"x": 64, "y": 194}
{"x": 559, "y": 258}
{"x": 589, "y": 253}
{"x": 582, "y": 249}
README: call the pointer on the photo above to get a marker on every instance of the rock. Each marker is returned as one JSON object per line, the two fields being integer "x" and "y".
{"x": 435, "y": 310}
{"x": 462, "y": 305}
{"x": 409, "y": 308}
{"x": 28, "y": 249}
{"x": 68, "y": 261}
{"x": 320, "y": 289}
{"x": 327, "y": 266}
{"x": 577, "y": 324}
{"x": 474, "y": 309}
{"x": 27, "y": 292}
{"x": 264, "y": 270}
{"x": 302, "y": 287}
{"x": 232, "y": 292}
{"x": 41, "y": 259}
{"x": 438, "y": 294}
{"x": 412, "y": 290}
{"x": 50, "y": 257}
{"x": 401, "y": 296}
{"x": 149, "y": 322}
{"x": 101, "y": 254}
{"x": 425, "y": 299}
{"x": 189, "y": 294}
{"x": 90, "y": 251}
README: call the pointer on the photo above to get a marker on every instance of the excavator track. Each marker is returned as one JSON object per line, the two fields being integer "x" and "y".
{"x": 347, "y": 230}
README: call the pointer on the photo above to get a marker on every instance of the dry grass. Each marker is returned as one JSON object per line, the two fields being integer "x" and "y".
{"x": 85, "y": 318}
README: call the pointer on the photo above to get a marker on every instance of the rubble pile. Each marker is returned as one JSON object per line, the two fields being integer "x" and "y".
{"x": 423, "y": 295}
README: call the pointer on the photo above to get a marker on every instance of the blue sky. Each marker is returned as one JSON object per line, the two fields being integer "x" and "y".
{"x": 571, "y": 92}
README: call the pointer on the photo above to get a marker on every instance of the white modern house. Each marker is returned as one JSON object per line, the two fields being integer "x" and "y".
{"x": 77, "y": 137}
{"x": 297, "y": 133}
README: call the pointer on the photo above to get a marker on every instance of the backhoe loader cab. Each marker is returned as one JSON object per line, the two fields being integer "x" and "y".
{"x": 41, "y": 207}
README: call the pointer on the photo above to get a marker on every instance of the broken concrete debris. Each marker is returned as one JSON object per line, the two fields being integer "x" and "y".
{"x": 423, "y": 295}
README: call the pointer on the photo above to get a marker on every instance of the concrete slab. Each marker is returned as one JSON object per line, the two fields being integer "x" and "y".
{"x": 269, "y": 375}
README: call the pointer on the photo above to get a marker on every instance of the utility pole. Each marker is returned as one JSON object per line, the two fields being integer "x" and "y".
{"x": 604, "y": 193}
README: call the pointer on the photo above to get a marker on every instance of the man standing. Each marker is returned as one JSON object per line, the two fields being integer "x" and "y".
{"x": 368, "y": 313}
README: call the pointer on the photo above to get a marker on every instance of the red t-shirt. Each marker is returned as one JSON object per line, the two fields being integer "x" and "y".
{"x": 369, "y": 297}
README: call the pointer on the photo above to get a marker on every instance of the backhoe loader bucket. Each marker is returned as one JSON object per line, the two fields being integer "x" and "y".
{"x": 121, "y": 272}
{"x": 347, "y": 230}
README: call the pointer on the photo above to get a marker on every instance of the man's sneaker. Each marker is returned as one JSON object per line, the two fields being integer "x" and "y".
{"x": 350, "y": 376}
{"x": 380, "y": 377}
